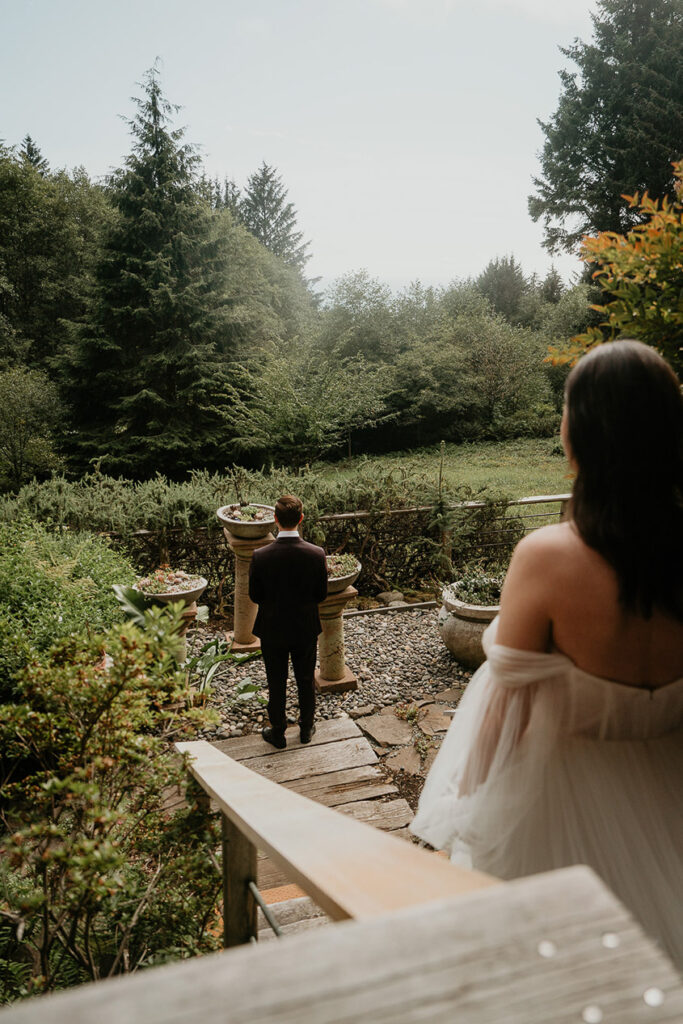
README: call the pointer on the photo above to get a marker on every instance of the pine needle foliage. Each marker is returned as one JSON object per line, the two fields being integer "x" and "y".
{"x": 144, "y": 374}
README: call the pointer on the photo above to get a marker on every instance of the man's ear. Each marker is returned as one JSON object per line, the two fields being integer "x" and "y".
{"x": 301, "y": 519}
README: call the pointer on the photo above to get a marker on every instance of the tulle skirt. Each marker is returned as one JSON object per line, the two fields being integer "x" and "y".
{"x": 545, "y": 767}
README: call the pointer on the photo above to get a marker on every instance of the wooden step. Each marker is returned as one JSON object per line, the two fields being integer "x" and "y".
{"x": 293, "y": 916}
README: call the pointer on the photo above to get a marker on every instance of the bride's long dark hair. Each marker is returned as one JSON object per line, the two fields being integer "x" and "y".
{"x": 624, "y": 412}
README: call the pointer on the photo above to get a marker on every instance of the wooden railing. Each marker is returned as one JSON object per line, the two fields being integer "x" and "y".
{"x": 349, "y": 869}
{"x": 434, "y": 942}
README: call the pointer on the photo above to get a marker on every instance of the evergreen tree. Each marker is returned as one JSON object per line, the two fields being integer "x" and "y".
{"x": 31, "y": 153}
{"x": 503, "y": 283}
{"x": 552, "y": 288}
{"x": 50, "y": 231}
{"x": 230, "y": 197}
{"x": 145, "y": 374}
{"x": 270, "y": 218}
{"x": 223, "y": 195}
{"x": 618, "y": 125}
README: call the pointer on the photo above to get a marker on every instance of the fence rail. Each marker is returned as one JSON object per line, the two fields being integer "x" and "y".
{"x": 397, "y": 547}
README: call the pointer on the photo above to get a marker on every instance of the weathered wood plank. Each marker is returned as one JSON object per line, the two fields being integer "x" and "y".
{"x": 269, "y": 875}
{"x": 347, "y": 867}
{"x": 285, "y": 766}
{"x": 405, "y": 833}
{"x": 300, "y": 908}
{"x": 345, "y": 786}
{"x": 242, "y": 747}
{"x": 239, "y": 869}
{"x": 267, "y": 934}
{"x": 393, "y": 814}
{"x": 474, "y": 959}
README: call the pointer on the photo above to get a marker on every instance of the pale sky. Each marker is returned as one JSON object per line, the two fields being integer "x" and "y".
{"x": 404, "y": 130}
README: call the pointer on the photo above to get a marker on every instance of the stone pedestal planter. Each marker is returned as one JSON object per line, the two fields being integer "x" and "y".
{"x": 333, "y": 676}
{"x": 462, "y": 626}
{"x": 242, "y": 635}
{"x": 189, "y": 599}
{"x": 244, "y": 537}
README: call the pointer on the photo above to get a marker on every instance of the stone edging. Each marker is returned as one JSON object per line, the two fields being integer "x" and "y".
{"x": 392, "y": 608}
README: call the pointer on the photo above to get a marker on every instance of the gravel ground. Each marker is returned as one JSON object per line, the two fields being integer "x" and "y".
{"x": 397, "y": 657}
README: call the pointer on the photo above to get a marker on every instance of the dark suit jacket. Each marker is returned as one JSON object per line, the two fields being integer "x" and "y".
{"x": 288, "y": 580}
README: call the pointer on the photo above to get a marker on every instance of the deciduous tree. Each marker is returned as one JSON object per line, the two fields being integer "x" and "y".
{"x": 641, "y": 278}
{"x": 29, "y": 413}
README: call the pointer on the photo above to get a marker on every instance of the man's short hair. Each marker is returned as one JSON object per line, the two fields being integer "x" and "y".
{"x": 288, "y": 510}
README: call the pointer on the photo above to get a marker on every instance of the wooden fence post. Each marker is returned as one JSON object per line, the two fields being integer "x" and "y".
{"x": 239, "y": 868}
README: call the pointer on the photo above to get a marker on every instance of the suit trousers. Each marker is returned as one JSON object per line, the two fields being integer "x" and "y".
{"x": 276, "y": 661}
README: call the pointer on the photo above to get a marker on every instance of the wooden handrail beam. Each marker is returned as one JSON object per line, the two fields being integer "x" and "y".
{"x": 349, "y": 869}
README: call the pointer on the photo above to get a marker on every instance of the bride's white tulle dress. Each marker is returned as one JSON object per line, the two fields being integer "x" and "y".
{"x": 546, "y": 765}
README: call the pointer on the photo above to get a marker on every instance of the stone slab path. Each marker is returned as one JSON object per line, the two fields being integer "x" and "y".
{"x": 338, "y": 768}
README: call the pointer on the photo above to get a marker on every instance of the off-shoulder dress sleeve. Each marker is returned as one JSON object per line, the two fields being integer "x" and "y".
{"x": 491, "y": 758}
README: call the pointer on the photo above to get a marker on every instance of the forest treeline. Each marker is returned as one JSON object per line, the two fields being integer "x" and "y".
{"x": 162, "y": 322}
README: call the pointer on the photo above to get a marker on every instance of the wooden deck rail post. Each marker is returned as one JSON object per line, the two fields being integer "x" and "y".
{"x": 239, "y": 869}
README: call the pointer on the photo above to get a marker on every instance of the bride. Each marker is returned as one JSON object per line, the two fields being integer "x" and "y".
{"x": 568, "y": 744}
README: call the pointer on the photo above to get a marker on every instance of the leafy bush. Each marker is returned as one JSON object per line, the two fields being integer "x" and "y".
{"x": 179, "y": 523}
{"x": 641, "y": 277}
{"x": 29, "y": 412}
{"x": 52, "y": 585}
{"x": 99, "y": 877}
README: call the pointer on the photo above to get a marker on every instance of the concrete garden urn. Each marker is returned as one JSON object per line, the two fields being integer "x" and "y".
{"x": 245, "y": 533}
{"x": 334, "y": 676}
{"x": 462, "y": 626}
{"x": 187, "y": 597}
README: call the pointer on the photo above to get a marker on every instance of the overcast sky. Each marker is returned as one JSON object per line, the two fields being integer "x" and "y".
{"x": 404, "y": 130}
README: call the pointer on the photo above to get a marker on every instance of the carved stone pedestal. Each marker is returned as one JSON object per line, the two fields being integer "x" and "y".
{"x": 333, "y": 676}
{"x": 243, "y": 548}
{"x": 189, "y": 615}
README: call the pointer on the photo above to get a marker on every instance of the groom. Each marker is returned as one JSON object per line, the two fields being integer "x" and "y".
{"x": 288, "y": 580}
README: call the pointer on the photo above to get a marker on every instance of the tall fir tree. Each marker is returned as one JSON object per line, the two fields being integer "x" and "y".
{"x": 145, "y": 374}
{"x": 271, "y": 219}
{"x": 503, "y": 283}
{"x": 32, "y": 154}
{"x": 618, "y": 125}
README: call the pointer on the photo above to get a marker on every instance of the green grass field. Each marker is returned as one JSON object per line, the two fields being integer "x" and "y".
{"x": 516, "y": 469}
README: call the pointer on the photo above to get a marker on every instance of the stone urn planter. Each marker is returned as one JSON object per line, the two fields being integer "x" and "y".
{"x": 334, "y": 676}
{"x": 188, "y": 595}
{"x": 166, "y": 586}
{"x": 247, "y": 521}
{"x": 462, "y": 624}
{"x": 348, "y": 574}
{"x": 246, "y": 528}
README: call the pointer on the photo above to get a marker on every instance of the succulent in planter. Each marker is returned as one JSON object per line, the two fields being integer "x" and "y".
{"x": 168, "y": 581}
{"x": 342, "y": 572}
{"x": 469, "y": 605}
{"x": 478, "y": 587}
{"x": 248, "y": 513}
{"x": 341, "y": 565}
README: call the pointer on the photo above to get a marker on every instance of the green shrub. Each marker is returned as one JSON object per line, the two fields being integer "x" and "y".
{"x": 98, "y": 877}
{"x": 180, "y": 525}
{"x": 52, "y": 585}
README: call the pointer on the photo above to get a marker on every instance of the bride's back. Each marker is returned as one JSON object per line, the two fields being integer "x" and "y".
{"x": 590, "y": 625}
{"x": 606, "y": 588}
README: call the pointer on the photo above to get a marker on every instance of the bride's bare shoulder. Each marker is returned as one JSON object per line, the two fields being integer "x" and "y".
{"x": 537, "y": 571}
{"x": 549, "y": 543}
